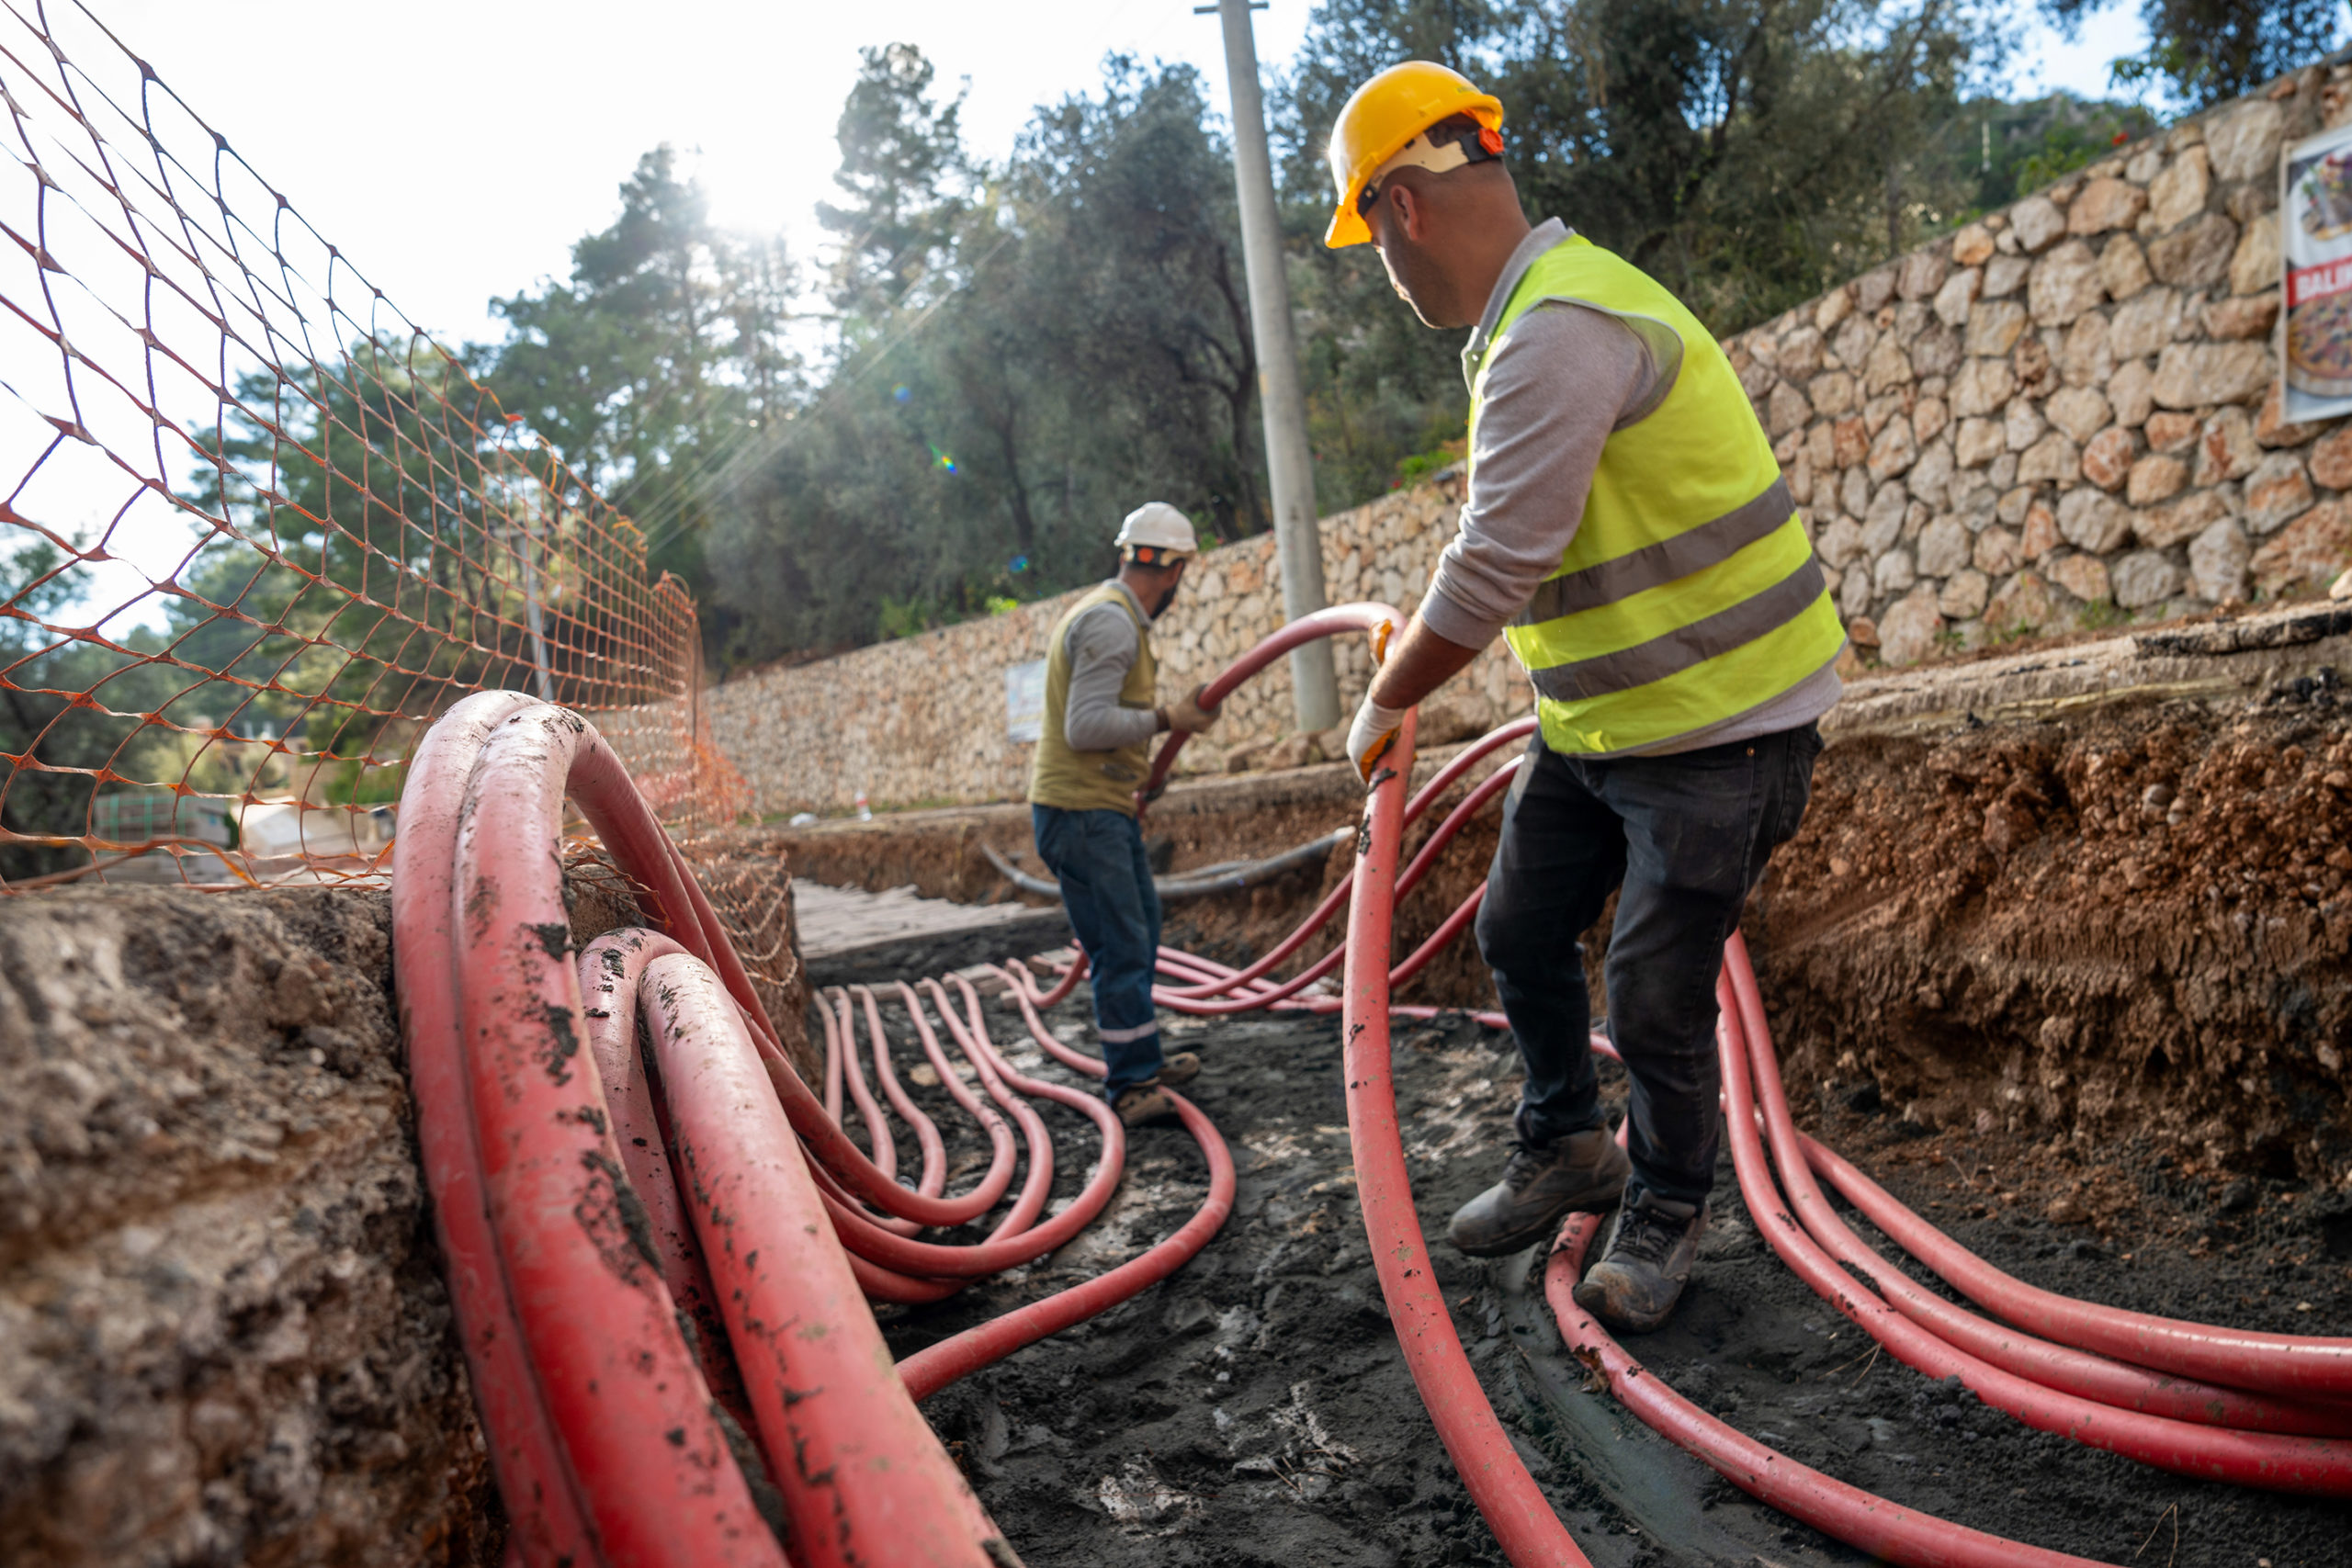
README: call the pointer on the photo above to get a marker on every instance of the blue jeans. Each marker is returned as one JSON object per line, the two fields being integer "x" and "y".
{"x": 1106, "y": 891}
{"x": 1681, "y": 840}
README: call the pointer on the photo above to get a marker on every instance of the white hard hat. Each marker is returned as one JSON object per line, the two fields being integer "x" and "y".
{"x": 1160, "y": 526}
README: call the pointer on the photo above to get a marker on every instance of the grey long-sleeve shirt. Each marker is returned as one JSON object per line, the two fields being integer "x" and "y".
{"x": 1102, "y": 646}
{"x": 1559, "y": 384}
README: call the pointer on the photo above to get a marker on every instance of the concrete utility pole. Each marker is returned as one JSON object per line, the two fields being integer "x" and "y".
{"x": 1290, "y": 468}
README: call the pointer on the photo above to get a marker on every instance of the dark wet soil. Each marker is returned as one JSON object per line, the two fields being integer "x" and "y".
{"x": 1254, "y": 1408}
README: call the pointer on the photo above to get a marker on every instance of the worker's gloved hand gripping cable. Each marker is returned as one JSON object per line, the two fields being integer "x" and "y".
{"x": 662, "y": 1267}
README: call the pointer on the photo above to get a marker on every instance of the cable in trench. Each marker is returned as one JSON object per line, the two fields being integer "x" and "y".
{"x": 662, "y": 1264}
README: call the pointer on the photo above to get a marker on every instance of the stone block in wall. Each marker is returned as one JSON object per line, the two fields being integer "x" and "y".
{"x": 2090, "y": 520}
{"x": 1995, "y": 552}
{"x": 2253, "y": 266}
{"x": 2003, "y": 275}
{"x": 2188, "y": 374}
{"x": 2243, "y": 140}
{"x": 2243, "y": 316}
{"x": 2330, "y": 461}
{"x": 1921, "y": 274}
{"x": 1945, "y": 546}
{"x": 1908, "y": 631}
{"x": 2054, "y": 460}
{"x": 2276, "y": 490}
{"x": 1964, "y": 595}
{"x": 2133, "y": 391}
{"x": 1957, "y": 295}
{"x": 1993, "y": 330}
{"x": 2082, "y": 576}
{"x": 2163, "y": 527}
{"x": 2270, "y": 427}
{"x": 2197, "y": 256}
{"x": 2040, "y": 533}
{"x": 1972, "y": 245}
{"x": 2103, "y": 204}
{"x": 2107, "y": 457}
{"x": 2124, "y": 267}
{"x": 2225, "y": 447}
{"x": 2156, "y": 477}
{"x": 2311, "y": 550}
{"x": 2178, "y": 194}
{"x": 2023, "y": 603}
{"x": 2081, "y": 411}
{"x": 2217, "y": 562}
{"x": 2145, "y": 578}
{"x": 2037, "y": 222}
{"x": 2065, "y": 283}
{"x": 2145, "y": 324}
{"x": 2084, "y": 357}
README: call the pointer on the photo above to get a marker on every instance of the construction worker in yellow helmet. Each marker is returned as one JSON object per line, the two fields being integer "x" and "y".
{"x": 1627, "y": 530}
{"x": 1102, "y": 707}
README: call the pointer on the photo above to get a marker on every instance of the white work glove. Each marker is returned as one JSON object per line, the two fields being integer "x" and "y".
{"x": 1187, "y": 714}
{"x": 1371, "y": 736}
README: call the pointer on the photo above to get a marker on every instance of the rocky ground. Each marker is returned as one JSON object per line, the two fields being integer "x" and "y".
{"x": 1254, "y": 1408}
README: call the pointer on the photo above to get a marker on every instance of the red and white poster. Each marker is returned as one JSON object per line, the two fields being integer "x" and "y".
{"x": 2315, "y": 222}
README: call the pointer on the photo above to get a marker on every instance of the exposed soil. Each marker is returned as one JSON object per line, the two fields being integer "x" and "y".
{"x": 224, "y": 1337}
{"x": 2136, "y": 923}
{"x": 2132, "y": 919}
{"x": 1254, "y": 1408}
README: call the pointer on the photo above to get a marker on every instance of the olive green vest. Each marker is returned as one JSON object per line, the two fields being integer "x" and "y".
{"x": 1092, "y": 781}
{"x": 1689, "y": 594}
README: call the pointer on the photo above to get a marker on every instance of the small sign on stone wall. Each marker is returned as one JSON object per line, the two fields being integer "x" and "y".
{"x": 1024, "y": 700}
{"x": 2316, "y": 202}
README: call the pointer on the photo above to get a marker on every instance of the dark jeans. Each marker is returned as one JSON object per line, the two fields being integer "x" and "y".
{"x": 1685, "y": 838}
{"x": 1098, "y": 857}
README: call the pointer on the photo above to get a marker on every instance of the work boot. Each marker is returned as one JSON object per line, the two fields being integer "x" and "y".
{"x": 1178, "y": 1066}
{"x": 1541, "y": 1187}
{"x": 1146, "y": 1105}
{"x": 1641, "y": 1277}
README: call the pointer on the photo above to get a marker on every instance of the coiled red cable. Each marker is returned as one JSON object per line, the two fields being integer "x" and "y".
{"x": 586, "y": 1215}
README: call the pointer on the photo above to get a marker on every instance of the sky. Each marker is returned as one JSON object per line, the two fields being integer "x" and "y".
{"x": 456, "y": 149}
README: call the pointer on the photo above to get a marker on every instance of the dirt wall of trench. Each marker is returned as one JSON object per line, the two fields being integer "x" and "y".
{"x": 2099, "y": 892}
{"x": 223, "y": 1334}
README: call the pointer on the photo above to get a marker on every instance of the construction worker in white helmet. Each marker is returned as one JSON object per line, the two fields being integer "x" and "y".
{"x": 1627, "y": 530}
{"x": 1094, "y": 751}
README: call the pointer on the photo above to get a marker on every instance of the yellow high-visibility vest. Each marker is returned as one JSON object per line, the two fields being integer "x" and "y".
{"x": 1689, "y": 594}
{"x": 1091, "y": 781}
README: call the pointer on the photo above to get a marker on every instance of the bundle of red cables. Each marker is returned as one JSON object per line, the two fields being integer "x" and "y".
{"x": 661, "y": 1243}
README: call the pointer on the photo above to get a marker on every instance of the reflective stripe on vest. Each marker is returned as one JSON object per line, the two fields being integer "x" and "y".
{"x": 1063, "y": 777}
{"x": 1689, "y": 594}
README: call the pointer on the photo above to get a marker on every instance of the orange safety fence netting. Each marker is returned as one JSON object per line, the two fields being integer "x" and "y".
{"x": 256, "y": 528}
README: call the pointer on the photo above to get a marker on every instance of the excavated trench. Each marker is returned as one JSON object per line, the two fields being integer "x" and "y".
{"x": 2058, "y": 957}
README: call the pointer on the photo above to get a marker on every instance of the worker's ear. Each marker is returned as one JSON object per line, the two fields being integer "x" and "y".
{"x": 1407, "y": 213}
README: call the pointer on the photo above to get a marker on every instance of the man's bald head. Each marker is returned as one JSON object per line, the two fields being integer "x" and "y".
{"x": 1446, "y": 235}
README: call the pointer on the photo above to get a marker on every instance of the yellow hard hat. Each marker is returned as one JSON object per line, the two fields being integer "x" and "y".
{"x": 1382, "y": 116}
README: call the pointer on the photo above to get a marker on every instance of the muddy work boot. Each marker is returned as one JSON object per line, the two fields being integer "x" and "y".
{"x": 1145, "y": 1105}
{"x": 1178, "y": 1066}
{"x": 1641, "y": 1275}
{"x": 1541, "y": 1187}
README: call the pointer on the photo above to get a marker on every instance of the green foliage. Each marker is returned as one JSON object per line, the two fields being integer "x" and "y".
{"x": 1748, "y": 153}
{"x": 1036, "y": 349}
{"x": 666, "y": 347}
{"x": 2102, "y": 614}
{"x": 2203, "y": 51}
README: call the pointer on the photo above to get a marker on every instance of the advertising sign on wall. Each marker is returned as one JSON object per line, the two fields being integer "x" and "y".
{"x": 1024, "y": 700}
{"x": 2315, "y": 223}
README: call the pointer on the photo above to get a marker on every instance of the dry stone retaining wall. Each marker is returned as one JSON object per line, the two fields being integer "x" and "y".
{"x": 923, "y": 720}
{"x": 2070, "y": 407}
{"x": 2065, "y": 412}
